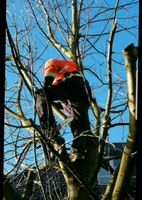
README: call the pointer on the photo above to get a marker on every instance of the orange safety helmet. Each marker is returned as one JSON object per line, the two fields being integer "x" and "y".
{"x": 57, "y": 68}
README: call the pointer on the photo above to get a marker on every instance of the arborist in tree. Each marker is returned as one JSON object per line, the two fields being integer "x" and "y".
{"x": 64, "y": 82}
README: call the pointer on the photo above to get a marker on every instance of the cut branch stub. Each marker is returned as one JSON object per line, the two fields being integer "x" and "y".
{"x": 130, "y": 56}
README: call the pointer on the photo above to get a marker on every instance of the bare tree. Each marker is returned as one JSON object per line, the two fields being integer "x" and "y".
{"x": 87, "y": 32}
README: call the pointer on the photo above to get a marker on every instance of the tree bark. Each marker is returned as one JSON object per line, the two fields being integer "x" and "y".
{"x": 128, "y": 160}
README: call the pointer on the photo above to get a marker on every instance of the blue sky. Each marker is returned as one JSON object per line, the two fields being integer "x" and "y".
{"x": 94, "y": 61}
{"x": 121, "y": 40}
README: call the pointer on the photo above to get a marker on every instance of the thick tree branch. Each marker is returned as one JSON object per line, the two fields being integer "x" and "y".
{"x": 106, "y": 116}
{"x": 128, "y": 161}
{"x": 109, "y": 70}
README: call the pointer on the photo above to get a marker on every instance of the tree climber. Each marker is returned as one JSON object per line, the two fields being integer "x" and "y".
{"x": 64, "y": 82}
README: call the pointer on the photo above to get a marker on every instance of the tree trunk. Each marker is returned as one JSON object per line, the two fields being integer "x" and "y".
{"x": 128, "y": 160}
{"x": 80, "y": 183}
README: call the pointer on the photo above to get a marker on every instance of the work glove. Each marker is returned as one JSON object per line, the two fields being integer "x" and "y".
{"x": 48, "y": 81}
